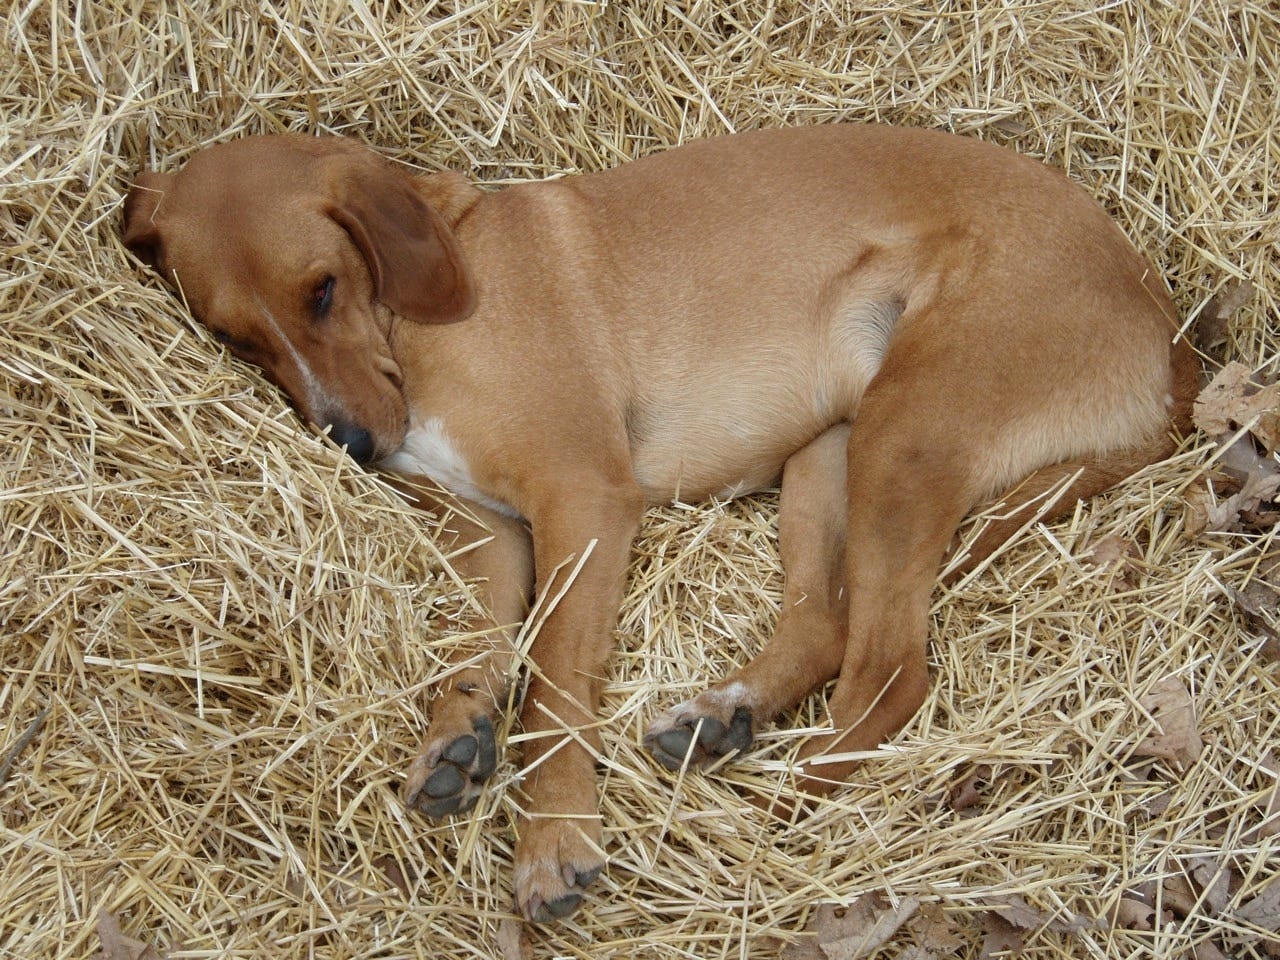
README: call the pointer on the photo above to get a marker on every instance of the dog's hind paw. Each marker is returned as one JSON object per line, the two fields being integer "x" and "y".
{"x": 447, "y": 779}
{"x": 683, "y": 736}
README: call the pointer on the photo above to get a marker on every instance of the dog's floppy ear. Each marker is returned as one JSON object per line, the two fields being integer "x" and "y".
{"x": 417, "y": 268}
{"x": 141, "y": 235}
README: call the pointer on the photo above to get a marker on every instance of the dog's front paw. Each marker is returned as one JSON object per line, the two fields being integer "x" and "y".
{"x": 700, "y": 731}
{"x": 449, "y": 773}
{"x": 556, "y": 860}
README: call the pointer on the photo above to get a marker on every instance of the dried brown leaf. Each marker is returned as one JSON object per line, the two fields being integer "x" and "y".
{"x": 1175, "y": 736}
{"x": 936, "y": 938}
{"x": 1201, "y": 516}
{"x": 1214, "y": 320}
{"x": 1118, "y": 554}
{"x": 1112, "y": 549}
{"x": 390, "y": 868}
{"x": 1132, "y": 914}
{"x": 1015, "y": 910}
{"x": 805, "y": 948}
{"x": 1207, "y": 950}
{"x": 853, "y": 931}
{"x": 1251, "y": 505}
{"x": 1263, "y": 910}
{"x": 1259, "y": 601}
{"x": 1179, "y": 895}
{"x": 1000, "y": 938}
{"x": 1232, "y": 401}
{"x": 116, "y": 946}
{"x": 1271, "y": 801}
{"x": 513, "y": 940}
{"x": 969, "y": 791}
{"x": 1241, "y": 459}
{"x": 1260, "y": 488}
{"x": 1252, "y": 475}
{"x": 357, "y": 885}
{"x": 1214, "y": 880}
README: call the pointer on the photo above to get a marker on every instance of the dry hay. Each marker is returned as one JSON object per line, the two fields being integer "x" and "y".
{"x": 219, "y": 636}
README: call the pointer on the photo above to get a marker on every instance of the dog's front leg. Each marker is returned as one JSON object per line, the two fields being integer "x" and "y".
{"x": 461, "y": 748}
{"x": 582, "y": 533}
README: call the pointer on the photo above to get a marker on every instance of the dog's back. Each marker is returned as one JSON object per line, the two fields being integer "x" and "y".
{"x": 740, "y": 294}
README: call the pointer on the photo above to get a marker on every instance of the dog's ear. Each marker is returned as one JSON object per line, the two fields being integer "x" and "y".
{"x": 417, "y": 268}
{"x": 141, "y": 235}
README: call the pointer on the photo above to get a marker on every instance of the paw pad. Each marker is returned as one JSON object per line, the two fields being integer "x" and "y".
{"x": 701, "y": 740}
{"x": 561, "y": 907}
{"x": 464, "y": 764}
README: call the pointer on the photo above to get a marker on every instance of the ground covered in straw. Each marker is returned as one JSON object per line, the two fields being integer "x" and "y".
{"x": 219, "y": 637}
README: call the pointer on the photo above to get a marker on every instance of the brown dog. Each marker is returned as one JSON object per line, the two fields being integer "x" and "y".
{"x": 901, "y": 324}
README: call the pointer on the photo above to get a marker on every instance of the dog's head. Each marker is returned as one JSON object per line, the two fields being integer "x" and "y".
{"x": 299, "y": 253}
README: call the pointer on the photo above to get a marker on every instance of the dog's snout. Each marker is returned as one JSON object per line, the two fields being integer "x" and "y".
{"x": 357, "y": 440}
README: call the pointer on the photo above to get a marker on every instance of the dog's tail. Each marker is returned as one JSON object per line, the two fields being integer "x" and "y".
{"x": 1045, "y": 495}
{"x": 1053, "y": 491}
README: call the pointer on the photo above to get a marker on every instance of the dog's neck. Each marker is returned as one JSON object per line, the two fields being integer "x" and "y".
{"x": 450, "y": 194}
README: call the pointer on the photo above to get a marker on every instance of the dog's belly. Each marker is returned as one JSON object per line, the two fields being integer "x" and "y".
{"x": 722, "y": 424}
{"x": 691, "y": 472}
{"x": 693, "y": 446}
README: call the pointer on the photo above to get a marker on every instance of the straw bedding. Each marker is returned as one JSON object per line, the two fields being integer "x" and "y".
{"x": 219, "y": 636}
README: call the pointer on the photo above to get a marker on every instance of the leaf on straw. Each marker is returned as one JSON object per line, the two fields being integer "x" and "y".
{"x": 935, "y": 937}
{"x": 1178, "y": 896}
{"x": 116, "y": 946}
{"x": 1000, "y": 938}
{"x": 853, "y": 931}
{"x": 970, "y": 790}
{"x": 1016, "y": 911}
{"x": 1214, "y": 881}
{"x": 1112, "y": 550}
{"x": 1118, "y": 554}
{"x": 1250, "y": 471}
{"x": 1207, "y": 950}
{"x": 1231, "y": 401}
{"x": 1175, "y": 736}
{"x": 804, "y": 948}
{"x": 1008, "y": 919}
{"x": 1214, "y": 320}
{"x": 1204, "y": 889}
{"x": 1259, "y": 601}
{"x": 1133, "y": 914}
{"x": 359, "y": 886}
{"x": 1263, "y": 910}
{"x": 1252, "y": 506}
{"x": 390, "y": 868}
{"x": 1160, "y": 803}
{"x": 1241, "y": 459}
{"x": 1270, "y": 803}
{"x": 513, "y": 940}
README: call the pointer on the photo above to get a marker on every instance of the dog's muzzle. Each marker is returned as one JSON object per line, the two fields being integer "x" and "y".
{"x": 356, "y": 439}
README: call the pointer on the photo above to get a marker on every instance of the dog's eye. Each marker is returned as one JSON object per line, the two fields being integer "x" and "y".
{"x": 322, "y": 296}
{"x": 242, "y": 348}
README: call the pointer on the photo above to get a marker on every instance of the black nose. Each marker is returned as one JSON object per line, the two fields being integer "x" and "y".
{"x": 357, "y": 440}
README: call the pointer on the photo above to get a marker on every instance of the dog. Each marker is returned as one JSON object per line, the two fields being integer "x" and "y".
{"x": 899, "y": 324}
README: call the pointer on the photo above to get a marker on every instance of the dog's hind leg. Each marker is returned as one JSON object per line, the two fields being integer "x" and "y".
{"x": 461, "y": 749}
{"x": 808, "y": 643}
{"x": 915, "y": 469}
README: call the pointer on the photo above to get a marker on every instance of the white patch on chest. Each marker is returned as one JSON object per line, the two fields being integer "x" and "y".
{"x": 428, "y": 451}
